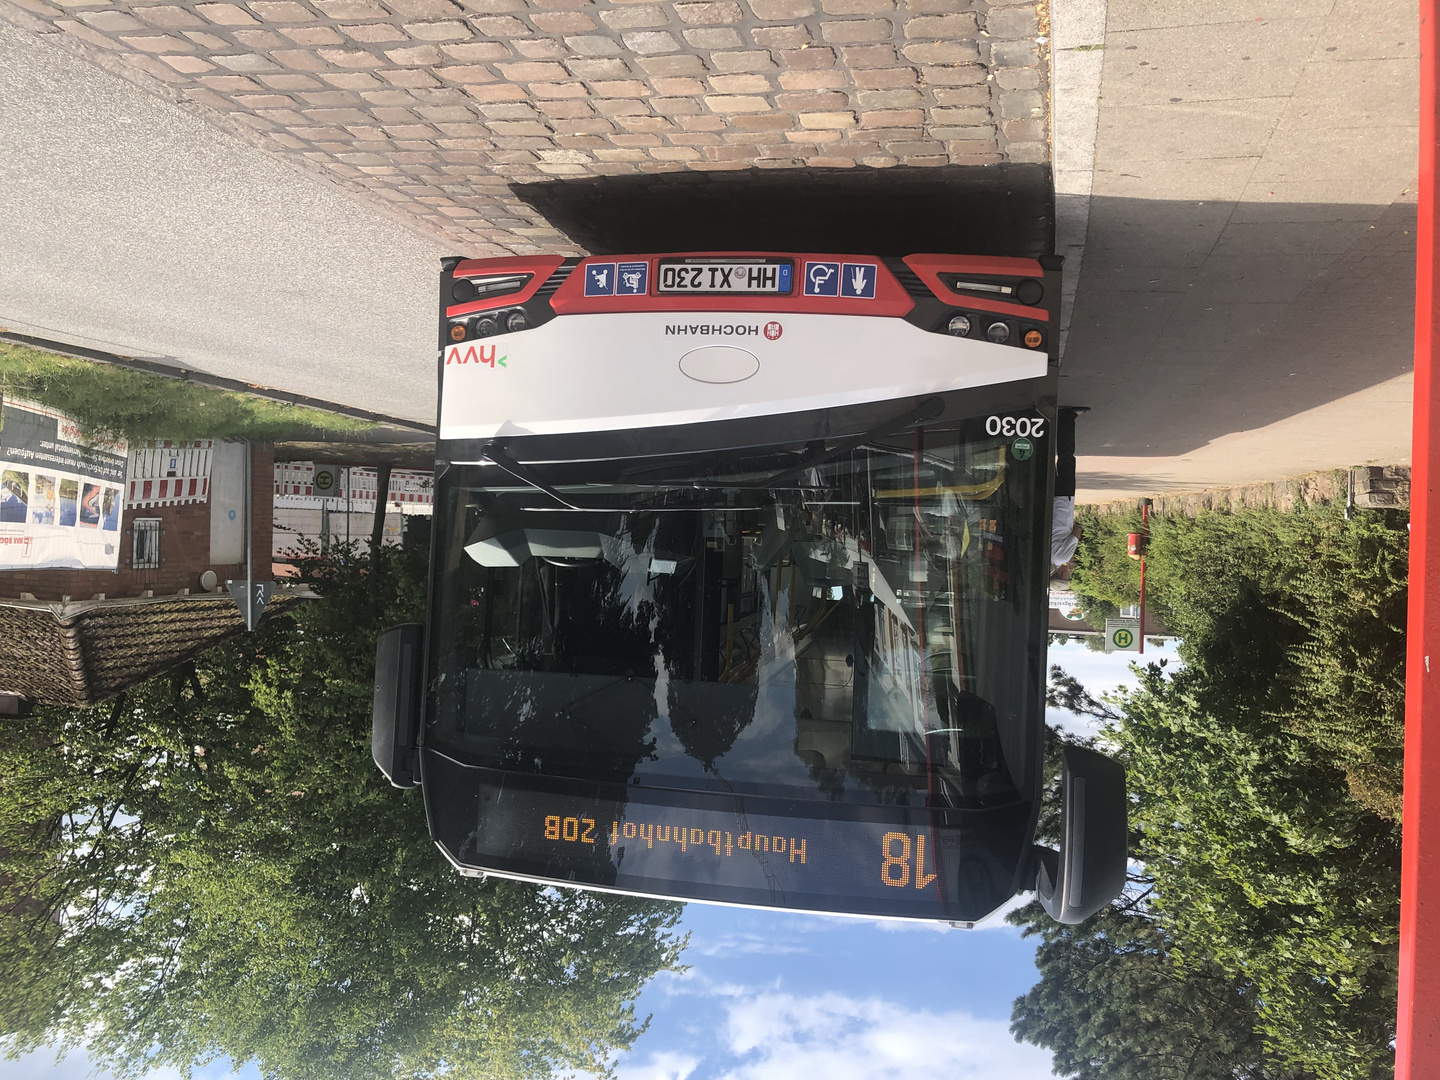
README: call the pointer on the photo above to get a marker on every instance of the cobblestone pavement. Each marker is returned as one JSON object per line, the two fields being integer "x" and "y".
{"x": 435, "y": 107}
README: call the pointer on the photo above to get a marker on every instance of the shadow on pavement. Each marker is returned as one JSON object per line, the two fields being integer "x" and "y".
{"x": 1196, "y": 320}
{"x": 983, "y": 210}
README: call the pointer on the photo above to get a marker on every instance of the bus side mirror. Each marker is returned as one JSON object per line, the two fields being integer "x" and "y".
{"x": 1089, "y": 869}
{"x": 395, "y": 718}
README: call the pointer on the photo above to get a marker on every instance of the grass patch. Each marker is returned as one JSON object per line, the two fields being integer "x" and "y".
{"x": 135, "y": 405}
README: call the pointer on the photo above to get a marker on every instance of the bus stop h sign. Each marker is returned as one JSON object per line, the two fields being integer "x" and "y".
{"x": 1122, "y": 635}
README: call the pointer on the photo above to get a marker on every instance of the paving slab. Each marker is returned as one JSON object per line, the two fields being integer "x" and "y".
{"x": 260, "y": 191}
{"x": 1246, "y": 303}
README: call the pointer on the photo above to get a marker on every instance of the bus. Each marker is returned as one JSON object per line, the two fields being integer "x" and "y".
{"x": 738, "y": 586}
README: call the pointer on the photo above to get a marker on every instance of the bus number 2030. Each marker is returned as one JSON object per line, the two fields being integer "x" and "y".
{"x": 1027, "y": 427}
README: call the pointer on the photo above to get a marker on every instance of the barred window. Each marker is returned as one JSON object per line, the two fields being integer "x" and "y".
{"x": 146, "y": 555}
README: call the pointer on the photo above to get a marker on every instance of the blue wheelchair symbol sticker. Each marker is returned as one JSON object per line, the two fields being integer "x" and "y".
{"x": 600, "y": 279}
{"x": 822, "y": 279}
{"x": 857, "y": 281}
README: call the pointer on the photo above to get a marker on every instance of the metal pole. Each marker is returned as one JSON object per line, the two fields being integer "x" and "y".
{"x": 1417, "y": 1028}
{"x": 249, "y": 536}
{"x": 1144, "y": 545}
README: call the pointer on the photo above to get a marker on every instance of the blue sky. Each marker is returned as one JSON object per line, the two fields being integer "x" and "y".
{"x": 775, "y": 997}
{"x": 770, "y": 996}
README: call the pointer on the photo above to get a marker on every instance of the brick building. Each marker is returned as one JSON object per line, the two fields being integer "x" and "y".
{"x": 76, "y": 637}
{"x": 177, "y": 543}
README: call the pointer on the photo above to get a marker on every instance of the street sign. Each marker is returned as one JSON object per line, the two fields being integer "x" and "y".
{"x": 328, "y": 480}
{"x": 1122, "y": 635}
{"x": 260, "y": 593}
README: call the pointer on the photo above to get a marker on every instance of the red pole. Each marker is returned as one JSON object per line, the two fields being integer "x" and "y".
{"x": 1417, "y": 1030}
{"x": 1144, "y": 543}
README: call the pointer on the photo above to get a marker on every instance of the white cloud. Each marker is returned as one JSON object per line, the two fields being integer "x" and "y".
{"x": 777, "y": 1036}
{"x": 1103, "y": 673}
{"x": 42, "y": 1065}
{"x": 38, "y": 1063}
{"x": 744, "y": 942}
{"x": 663, "y": 1065}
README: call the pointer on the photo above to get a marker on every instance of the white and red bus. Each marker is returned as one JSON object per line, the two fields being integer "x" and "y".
{"x": 739, "y": 586}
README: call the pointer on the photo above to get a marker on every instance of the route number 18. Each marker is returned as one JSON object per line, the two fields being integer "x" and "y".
{"x": 1027, "y": 427}
{"x": 895, "y": 869}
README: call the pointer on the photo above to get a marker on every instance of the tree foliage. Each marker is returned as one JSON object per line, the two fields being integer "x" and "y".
{"x": 1265, "y": 776}
{"x": 231, "y": 875}
{"x": 1112, "y": 1005}
{"x": 1264, "y": 866}
{"x": 1105, "y": 578}
{"x": 1307, "y": 606}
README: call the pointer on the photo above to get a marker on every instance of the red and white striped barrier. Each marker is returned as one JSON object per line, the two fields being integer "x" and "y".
{"x": 168, "y": 473}
{"x": 294, "y": 479}
{"x": 410, "y": 489}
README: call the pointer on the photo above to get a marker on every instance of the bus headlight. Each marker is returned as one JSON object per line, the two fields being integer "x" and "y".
{"x": 998, "y": 332}
{"x": 516, "y": 321}
{"x": 959, "y": 326}
{"x": 486, "y": 327}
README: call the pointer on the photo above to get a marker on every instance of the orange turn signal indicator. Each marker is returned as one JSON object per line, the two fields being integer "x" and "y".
{"x": 457, "y": 332}
{"x": 1033, "y": 338}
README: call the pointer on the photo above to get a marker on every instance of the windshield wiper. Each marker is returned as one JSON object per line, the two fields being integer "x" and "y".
{"x": 928, "y": 409}
{"x": 598, "y": 504}
{"x": 526, "y": 475}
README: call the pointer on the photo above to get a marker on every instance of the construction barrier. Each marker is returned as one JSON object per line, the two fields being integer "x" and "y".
{"x": 168, "y": 473}
{"x": 409, "y": 490}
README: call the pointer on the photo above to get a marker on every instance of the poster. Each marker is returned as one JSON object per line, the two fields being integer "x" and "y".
{"x": 61, "y": 499}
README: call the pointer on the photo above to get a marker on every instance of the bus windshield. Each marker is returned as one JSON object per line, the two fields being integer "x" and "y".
{"x": 858, "y": 621}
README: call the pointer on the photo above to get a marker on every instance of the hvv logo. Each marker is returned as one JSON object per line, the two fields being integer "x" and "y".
{"x": 471, "y": 354}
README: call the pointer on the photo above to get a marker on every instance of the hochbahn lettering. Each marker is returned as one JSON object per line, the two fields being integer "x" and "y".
{"x": 713, "y": 329}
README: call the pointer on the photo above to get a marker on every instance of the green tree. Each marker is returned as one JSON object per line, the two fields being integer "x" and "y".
{"x": 1268, "y": 884}
{"x": 1105, "y": 578}
{"x": 1307, "y": 607}
{"x": 1264, "y": 867}
{"x": 1111, "y": 1004}
{"x": 235, "y": 877}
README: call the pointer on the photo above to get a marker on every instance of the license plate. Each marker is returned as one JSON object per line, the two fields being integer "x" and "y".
{"x": 725, "y": 277}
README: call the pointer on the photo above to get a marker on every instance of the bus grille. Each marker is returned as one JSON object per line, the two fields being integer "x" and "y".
{"x": 555, "y": 280}
{"x": 909, "y": 280}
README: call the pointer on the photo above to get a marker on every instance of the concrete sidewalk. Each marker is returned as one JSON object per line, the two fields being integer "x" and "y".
{"x": 1245, "y": 307}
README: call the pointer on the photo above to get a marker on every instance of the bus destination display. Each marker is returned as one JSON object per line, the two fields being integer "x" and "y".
{"x": 904, "y": 868}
